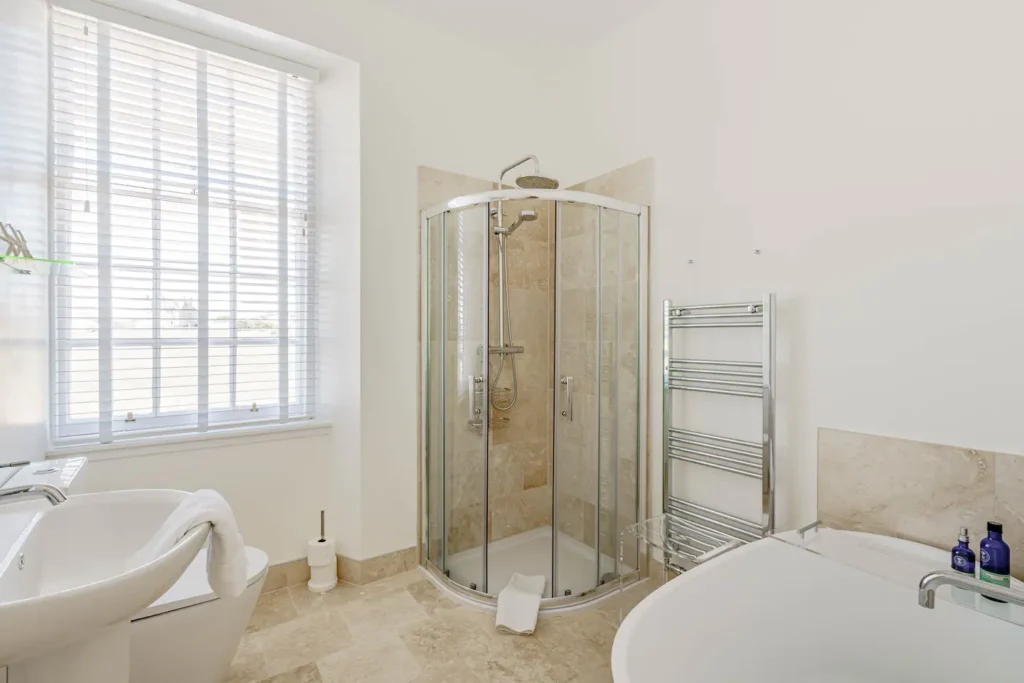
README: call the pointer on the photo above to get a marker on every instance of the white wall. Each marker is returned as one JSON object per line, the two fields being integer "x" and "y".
{"x": 274, "y": 483}
{"x": 23, "y": 298}
{"x": 875, "y": 152}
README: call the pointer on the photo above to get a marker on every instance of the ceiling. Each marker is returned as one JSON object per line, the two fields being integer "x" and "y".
{"x": 542, "y": 23}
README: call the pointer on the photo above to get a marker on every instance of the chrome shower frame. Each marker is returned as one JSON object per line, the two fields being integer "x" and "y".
{"x": 437, "y": 574}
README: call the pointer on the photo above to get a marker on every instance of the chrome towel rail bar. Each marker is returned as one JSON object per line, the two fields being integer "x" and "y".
{"x": 697, "y": 529}
{"x": 673, "y": 432}
{"x": 741, "y": 314}
{"x": 715, "y": 520}
{"x": 727, "y": 363}
{"x": 708, "y": 390}
{"x": 717, "y": 462}
{"x": 678, "y": 310}
{"x": 732, "y": 324}
{"x": 677, "y": 370}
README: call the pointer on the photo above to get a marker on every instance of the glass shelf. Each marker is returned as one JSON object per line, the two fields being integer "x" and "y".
{"x": 37, "y": 266}
{"x": 680, "y": 549}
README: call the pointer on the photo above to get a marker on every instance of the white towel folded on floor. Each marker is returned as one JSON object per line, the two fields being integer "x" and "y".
{"x": 519, "y": 603}
{"x": 225, "y": 561}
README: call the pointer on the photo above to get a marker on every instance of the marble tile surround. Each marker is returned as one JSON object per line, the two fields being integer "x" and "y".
{"x": 919, "y": 491}
{"x": 403, "y": 630}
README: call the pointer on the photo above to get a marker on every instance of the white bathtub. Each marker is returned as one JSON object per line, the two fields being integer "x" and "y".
{"x": 771, "y": 613}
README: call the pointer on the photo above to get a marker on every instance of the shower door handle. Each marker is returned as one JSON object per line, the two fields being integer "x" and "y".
{"x": 567, "y": 383}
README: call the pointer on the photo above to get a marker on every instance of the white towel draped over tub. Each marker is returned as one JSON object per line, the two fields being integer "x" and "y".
{"x": 225, "y": 561}
{"x": 519, "y": 604}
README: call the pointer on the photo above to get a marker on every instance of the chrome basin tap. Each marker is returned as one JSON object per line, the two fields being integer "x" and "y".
{"x": 930, "y": 582}
{"x": 51, "y": 493}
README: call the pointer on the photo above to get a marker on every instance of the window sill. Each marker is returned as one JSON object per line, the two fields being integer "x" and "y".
{"x": 159, "y": 445}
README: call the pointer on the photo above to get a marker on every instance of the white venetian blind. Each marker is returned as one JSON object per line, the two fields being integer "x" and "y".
{"x": 182, "y": 188}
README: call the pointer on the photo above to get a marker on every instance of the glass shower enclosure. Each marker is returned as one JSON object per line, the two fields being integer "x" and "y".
{"x": 533, "y": 399}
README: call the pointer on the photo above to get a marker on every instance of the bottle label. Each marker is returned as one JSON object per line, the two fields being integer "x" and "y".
{"x": 960, "y": 561}
{"x": 997, "y": 579}
{"x": 985, "y": 557}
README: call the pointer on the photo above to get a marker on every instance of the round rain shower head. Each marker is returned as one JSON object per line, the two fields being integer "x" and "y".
{"x": 536, "y": 182}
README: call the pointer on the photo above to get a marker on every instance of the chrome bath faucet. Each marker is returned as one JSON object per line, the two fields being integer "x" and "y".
{"x": 930, "y": 582}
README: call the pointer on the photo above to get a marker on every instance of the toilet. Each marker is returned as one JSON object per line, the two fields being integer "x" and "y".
{"x": 190, "y": 634}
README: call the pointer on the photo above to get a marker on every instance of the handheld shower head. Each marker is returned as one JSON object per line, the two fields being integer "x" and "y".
{"x": 525, "y": 216}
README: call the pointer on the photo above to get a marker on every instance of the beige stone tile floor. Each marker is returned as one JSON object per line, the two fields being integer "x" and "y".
{"x": 403, "y": 630}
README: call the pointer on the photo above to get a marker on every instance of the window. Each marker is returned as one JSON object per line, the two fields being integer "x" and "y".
{"x": 182, "y": 188}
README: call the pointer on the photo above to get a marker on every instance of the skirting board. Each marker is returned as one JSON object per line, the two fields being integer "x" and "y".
{"x": 296, "y": 572}
{"x": 286, "y": 574}
{"x": 376, "y": 568}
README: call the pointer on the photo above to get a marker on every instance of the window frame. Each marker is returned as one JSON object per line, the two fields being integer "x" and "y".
{"x": 68, "y": 432}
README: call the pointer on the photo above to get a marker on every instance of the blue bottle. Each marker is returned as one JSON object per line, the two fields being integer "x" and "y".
{"x": 963, "y": 556}
{"x": 995, "y": 558}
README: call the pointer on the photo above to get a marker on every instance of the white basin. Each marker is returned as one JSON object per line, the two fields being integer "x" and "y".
{"x": 67, "y": 576}
{"x": 774, "y": 613}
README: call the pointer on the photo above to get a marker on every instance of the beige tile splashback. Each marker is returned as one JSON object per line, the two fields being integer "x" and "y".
{"x": 436, "y": 186}
{"x": 633, "y": 183}
{"x": 919, "y": 491}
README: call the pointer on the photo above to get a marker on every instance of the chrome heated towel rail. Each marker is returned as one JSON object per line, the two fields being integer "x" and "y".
{"x": 693, "y": 530}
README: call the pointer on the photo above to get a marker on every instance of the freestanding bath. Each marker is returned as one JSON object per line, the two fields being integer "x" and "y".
{"x": 773, "y": 612}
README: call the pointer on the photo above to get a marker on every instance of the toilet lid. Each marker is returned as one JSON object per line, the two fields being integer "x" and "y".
{"x": 193, "y": 588}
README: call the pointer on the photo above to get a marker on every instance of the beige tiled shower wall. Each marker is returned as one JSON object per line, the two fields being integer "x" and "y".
{"x": 919, "y": 491}
{"x": 598, "y": 471}
{"x": 519, "y": 490}
{"x": 519, "y": 484}
{"x": 577, "y": 352}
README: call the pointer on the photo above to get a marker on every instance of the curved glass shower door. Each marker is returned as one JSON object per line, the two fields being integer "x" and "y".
{"x": 533, "y": 335}
{"x": 456, "y": 416}
{"x": 597, "y": 376}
